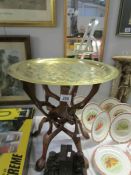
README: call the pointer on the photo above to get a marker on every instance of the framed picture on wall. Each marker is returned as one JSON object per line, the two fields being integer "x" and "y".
{"x": 13, "y": 49}
{"x": 27, "y": 13}
{"x": 124, "y": 18}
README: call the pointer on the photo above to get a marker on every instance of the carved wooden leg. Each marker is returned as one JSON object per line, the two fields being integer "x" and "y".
{"x": 40, "y": 164}
{"x": 36, "y": 133}
{"x": 77, "y": 142}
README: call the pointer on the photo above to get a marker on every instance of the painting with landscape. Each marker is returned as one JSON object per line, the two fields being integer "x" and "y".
{"x": 12, "y": 50}
{"x": 19, "y": 13}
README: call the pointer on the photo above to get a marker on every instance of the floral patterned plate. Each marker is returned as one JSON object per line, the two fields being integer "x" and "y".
{"x": 120, "y": 130}
{"x": 119, "y": 109}
{"x": 89, "y": 115}
{"x": 100, "y": 127}
{"x": 108, "y": 104}
{"x": 111, "y": 160}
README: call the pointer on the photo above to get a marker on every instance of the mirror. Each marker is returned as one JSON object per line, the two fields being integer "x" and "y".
{"x": 85, "y": 28}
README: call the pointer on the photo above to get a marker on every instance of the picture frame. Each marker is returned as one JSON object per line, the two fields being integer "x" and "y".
{"x": 124, "y": 19}
{"x": 13, "y": 49}
{"x": 27, "y": 13}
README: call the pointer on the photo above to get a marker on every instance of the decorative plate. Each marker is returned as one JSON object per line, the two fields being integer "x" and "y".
{"x": 100, "y": 127}
{"x": 110, "y": 160}
{"x": 120, "y": 129}
{"x": 119, "y": 109}
{"x": 108, "y": 104}
{"x": 78, "y": 99}
{"x": 89, "y": 115}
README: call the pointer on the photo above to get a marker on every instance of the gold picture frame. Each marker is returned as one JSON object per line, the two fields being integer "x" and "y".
{"x": 105, "y": 26}
{"x": 27, "y": 13}
{"x": 13, "y": 49}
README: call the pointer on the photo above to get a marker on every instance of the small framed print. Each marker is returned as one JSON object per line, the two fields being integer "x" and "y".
{"x": 124, "y": 19}
{"x": 13, "y": 49}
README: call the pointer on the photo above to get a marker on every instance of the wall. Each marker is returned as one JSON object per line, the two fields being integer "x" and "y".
{"x": 115, "y": 45}
{"x": 49, "y": 42}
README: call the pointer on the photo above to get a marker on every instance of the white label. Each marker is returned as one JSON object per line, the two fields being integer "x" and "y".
{"x": 70, "y": 11}
{"x": 10, "y": 137}
{"x": 65, "y": 98}
{"x": 68, "y": 154}
{"x": 78, "y": 135}
{"x": 127, "y": 30}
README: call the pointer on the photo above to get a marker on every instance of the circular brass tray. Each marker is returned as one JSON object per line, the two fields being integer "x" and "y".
{"x": 62, "y": 71}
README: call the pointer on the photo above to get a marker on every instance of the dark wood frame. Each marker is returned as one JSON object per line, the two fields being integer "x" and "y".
{"x": 123, "y": 25}
{"x": 17, "y": 100}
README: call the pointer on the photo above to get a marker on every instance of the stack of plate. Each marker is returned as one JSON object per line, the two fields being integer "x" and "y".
{"x": 120, "y": 116}
{"x": 118, "y": 109}
{"x": 109, "y": 103}
{"x": 111, "y": 117}
{"x": 114, "y": 118}
{"x": 96, "y": 121}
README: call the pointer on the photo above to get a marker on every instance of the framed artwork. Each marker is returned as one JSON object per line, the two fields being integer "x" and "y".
{"x": 27, "y": 13}
{"x": 13, "y": 49}
{"x": 124, "y": 19}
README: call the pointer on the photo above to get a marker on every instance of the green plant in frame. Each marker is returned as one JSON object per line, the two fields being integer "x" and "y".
{"x": 13, "y": 49}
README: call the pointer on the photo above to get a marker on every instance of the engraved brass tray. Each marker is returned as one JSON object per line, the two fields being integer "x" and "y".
{"x": 63, "y": 71}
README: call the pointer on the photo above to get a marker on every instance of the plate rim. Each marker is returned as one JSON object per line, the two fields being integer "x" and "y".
{"x": 112, "y": 98}
{"x": 129, "y": 144}
{"x": 79, "y": 96}
{"x": 106, "y": 146}
{"x": 83, "y": 112}
{"x": 111, "y": 126}
{"x": 108, "y": 128}
{"x": 128, "y": 148}
{"x": 121, "y": 104}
